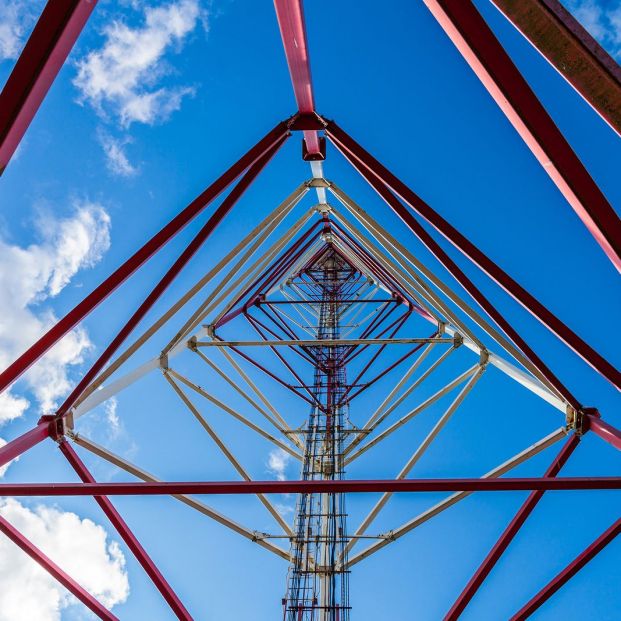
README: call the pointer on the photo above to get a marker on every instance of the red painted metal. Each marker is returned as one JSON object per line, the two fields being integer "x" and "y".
{"x": 55, "y": 571}
{"x": 604, "y": 430}
{"x": 127, "y": 535}
{"x": 311, "y": 487}
{"x": 43, "y": 56}
{"x": 21, "y": 444}
{"x": 190, "y": 250}
{"x": 509, "y": 533}
{"x": 373, "y": 171}
{"x": 45, "y": 52}
{"x": 31, "y": 355}
{"x": 493, "y": 66}
{"x": 569, "y": 572}
{"x": 269, "y": 373}
{"x": 572, "y": 51}
{"x": 282, "y": 359}
{"x": 290, "y": 14}
{"x": 268, "y": 275}
{"x": 459, "y": 275}
{"x": 388, "y": 369}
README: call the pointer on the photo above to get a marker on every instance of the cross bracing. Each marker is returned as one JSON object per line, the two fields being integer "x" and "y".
{"x": 392, "y": 346}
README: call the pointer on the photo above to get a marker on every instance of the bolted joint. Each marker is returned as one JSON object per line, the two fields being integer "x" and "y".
{"x": 306, "y": 122}
{"x": 317, "y": 182}
{"x": 57, "y": 426}
{"x": 581, "y": 419}
{"x": 192, "y": 345}
{"x": 458, "y": 340}
{"x": 483, "y": 357}
{"x": 164, "y": 360}
{"x": 307, "y": 156}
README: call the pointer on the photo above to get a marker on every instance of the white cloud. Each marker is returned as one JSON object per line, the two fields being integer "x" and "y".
{"x": 16, "y": 20}
{"x": 602, "y": 20}
{"x": 11, "y": 407}
{"x": 32, "y": 274}
{"x": 79, "y": 546}
{"x": 284, "y": 509}
{"x": 116, "y": 158}
{"x": 122, "y": 76}
{"x": 277, "y": 462}
{"x": 4, "y": 468}
{"x": 112, "y": 417}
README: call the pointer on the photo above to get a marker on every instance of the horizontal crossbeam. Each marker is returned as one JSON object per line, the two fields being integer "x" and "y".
{"x": 311, "y": 487}
{"x": 322, "y": 342}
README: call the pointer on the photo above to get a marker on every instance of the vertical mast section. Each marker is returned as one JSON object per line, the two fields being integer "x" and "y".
{"x": 318, "y": 590}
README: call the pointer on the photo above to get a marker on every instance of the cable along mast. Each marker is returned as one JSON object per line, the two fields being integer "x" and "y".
{"x": 317, "y": 582}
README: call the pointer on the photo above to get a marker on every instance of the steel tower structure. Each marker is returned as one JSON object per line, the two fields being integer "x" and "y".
{"x": 341, "y": 305}
{"x": 317, "y": 588}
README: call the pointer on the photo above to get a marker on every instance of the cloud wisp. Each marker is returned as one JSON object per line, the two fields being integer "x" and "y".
{"x": 117, "y": 161}
{"x": 124, "y": 77}
{"x": 277, "y": 462}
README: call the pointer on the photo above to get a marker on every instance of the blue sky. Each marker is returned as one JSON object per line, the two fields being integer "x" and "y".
{"x": 155, "y": 101}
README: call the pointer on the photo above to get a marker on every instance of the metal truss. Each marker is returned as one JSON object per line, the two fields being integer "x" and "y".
{"x": 327, "y": 306}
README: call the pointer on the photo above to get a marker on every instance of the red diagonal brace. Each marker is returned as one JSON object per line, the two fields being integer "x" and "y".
{"x": 601, "y": 428}
{"x": 21, "y": 444}
{"x": 507, "y": 536}
{"x": 43, "y": 56}
{"x": 569, "y": 572}
{"x": 128, "y": 537}
{"x": 31, "y": 355}
{"x": 171, "y": 274}
{"x": 290, "y": 14}
{"x": 483, "y": 52}
{"x": 55, "y": 571}
{"x": 457, "y": 273}
{"x": 575, "y": 54}
{"x": 371, "y": 169}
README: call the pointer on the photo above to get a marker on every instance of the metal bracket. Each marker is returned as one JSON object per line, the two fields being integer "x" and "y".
{"x": 57, "y": 425}
{"x": 484, "y": 358}
{"x": 580, "y": 418}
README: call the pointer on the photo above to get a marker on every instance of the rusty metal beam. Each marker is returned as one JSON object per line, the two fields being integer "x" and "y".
{"x": 572, "y": 51}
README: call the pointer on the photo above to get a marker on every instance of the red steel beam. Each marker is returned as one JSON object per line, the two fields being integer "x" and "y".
{"x": 435, "y": 248}
{"x": 127, "y": 535}
{"x": 604, "y": 430}
{"x": 55, "y": 571}
{"x": 487, "y": 58}
{"x": 290, "y": 15}
{"x": 189, "y": 251}
{"x": 572, "y": 51}
{"x": 372, "y": 169}
{"x": 43, "y": 56}
{"x": 569, "y": 572}
{"x": 507, "y": 536}
{"x": 311, "y": 487}
{"x": 100, "y": 293}
{"x": 21, "y": 444}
